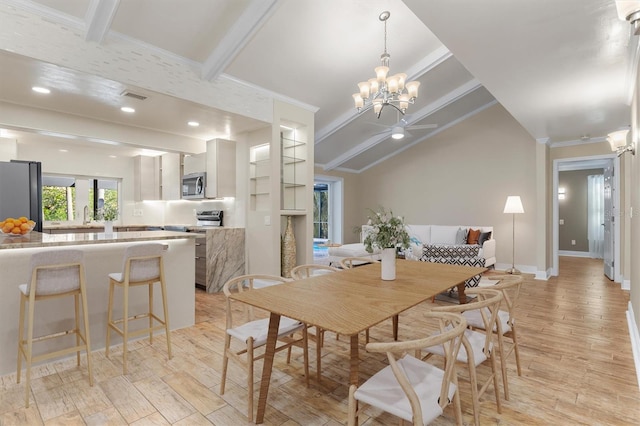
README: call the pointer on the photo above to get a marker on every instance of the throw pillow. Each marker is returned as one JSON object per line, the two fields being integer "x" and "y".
{"x": 484, "y": 236}
{"x": 472, "y": 236}
{"x": 461, "y": 236}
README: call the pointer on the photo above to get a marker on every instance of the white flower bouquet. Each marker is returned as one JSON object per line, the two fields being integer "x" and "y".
{"x": 387, "y": 231}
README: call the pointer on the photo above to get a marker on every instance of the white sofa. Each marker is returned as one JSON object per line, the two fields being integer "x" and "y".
{"x": 352, "y": 250}
{"x": 420, "y": 235}
{"x": 445, "y": 234}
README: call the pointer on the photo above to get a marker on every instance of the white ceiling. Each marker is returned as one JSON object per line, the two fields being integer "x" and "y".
{"x": 561, "y": 68}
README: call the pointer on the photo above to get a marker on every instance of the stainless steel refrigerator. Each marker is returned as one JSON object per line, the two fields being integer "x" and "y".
{"x": 21, "y": 191}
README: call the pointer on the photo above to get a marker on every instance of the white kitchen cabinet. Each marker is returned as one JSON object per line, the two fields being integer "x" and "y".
{"x": 221, "y": 168}
{"x": 194, "y": 163}
{"x": 170, "y": 178}
{"x": 146, "y": 178}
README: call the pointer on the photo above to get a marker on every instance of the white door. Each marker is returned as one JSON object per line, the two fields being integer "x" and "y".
{"x": 609, "y": 222}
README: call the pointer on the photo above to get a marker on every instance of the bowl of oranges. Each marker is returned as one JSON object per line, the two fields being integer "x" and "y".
{"x": 16, "y": 227}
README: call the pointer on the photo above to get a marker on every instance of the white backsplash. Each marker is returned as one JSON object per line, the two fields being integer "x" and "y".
{"x": 182, "y": 212}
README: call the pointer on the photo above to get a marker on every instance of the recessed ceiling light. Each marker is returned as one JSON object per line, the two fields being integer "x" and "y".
{"x": 63, "y": 150}
{"x": 41, "y": 89}
{"x": 127, "y": 109}
{"x": 193, "y": 123}
{"x": 113, "y": 156}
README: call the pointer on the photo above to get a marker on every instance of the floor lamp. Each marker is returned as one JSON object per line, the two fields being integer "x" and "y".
{"x": 513, "y": 206}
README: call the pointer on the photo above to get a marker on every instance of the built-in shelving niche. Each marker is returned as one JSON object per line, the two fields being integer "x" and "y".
{"x": 259, "y": 178}
{"x": 293, "y": 154}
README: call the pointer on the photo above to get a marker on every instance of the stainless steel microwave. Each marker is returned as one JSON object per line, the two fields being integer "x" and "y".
{"x": 194, "y": 185}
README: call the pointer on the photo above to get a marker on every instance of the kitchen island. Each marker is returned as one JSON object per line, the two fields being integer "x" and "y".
{"x": 220, "y": 255}
{"x": 103, "y": 254}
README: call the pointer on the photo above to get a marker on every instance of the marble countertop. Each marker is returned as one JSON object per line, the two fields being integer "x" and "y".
{"x": 98, "y": 226}
{"x": 37, "y": 239}
{"x": 200, "y": 228}
{"x": 95, "y": 225}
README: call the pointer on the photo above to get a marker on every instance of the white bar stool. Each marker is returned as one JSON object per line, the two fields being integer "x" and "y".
{"x": 142, "y": 265}
{"x": 54, "y": 273}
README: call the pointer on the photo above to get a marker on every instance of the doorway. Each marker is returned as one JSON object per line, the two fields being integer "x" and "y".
{"x": 327, "y": 209}
{"x": 606, "y": 162}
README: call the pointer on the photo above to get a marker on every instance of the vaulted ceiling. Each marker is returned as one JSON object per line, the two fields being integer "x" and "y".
{"x": 561, "y": 68}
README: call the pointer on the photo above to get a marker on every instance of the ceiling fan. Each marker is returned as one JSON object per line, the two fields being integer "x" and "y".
{"x": 399, "y": 129}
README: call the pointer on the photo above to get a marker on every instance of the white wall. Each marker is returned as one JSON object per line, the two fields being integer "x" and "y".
{"x": 8, "y": 148}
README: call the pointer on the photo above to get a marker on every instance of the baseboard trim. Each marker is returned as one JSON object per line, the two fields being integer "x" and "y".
{"x": 635, "y": 340}
{"x": 543, "y": 275}
{"x": 525, "y": 269}
{"x": 573, "y": 253}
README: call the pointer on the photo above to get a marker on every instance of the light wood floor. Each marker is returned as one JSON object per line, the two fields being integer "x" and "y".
{"x": 575, "y": 349}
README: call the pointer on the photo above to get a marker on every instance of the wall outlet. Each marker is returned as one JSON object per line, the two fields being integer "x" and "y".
{"x": 267, "y": 221}
{"x": 573, "y": 242}
{"x": 561, "y": 221}
{"x": 137, "y": 212}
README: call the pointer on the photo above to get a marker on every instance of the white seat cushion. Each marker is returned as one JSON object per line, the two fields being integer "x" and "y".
{"x": 117, "y": 276}
{"x": 258, "y": 329}
{"x": 264, "y": 283}
{"x": 476, "y": 339}
{"x": 474, "y": 319}
{"x": 383, "y": 390}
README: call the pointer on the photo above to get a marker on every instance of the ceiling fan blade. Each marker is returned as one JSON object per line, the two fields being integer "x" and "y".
{"x": 422, "y": 126}
{"x": 378, "y": 124}
{"x": 384, "y": 132}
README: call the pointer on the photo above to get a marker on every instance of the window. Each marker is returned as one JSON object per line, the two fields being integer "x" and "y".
{"x": 58, "y": 198}
{"x": 64, "y": 198}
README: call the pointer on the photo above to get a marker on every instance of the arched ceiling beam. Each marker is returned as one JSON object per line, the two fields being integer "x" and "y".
{"x": 419, "y": 115}
{"x": 98, "y": 19}
{"x": 425, "y": 65}
{"x": 251, "y": 20}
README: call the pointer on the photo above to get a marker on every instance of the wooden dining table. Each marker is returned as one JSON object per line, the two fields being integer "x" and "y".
{"x": 349, "y": 302}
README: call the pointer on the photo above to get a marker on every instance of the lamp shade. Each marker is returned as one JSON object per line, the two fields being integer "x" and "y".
{"x": 513, "y": 205}
{"x": 617, "y": 139}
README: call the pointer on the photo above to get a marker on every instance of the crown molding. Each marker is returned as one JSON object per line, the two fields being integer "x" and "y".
{"x": 577, "y": 142}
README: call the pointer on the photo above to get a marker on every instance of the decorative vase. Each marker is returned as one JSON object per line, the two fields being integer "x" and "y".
{"x": 288, "y": 249}
{"x": 108, "y": 227}
{"x": 388, "y": 264}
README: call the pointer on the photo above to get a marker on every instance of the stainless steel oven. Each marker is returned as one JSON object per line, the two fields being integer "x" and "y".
{"x": 209, "y": 218}
{"x": 194, "y": 185}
